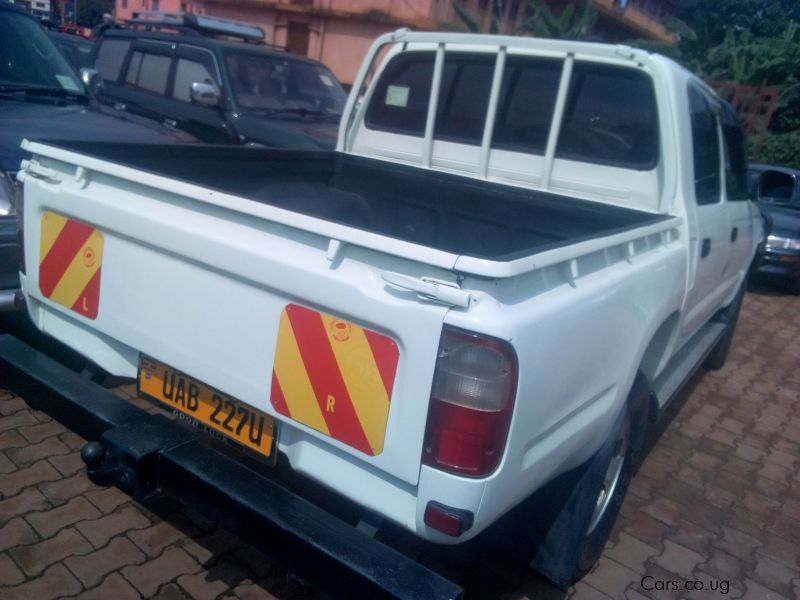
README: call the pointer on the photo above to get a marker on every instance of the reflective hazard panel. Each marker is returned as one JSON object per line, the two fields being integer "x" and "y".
{"x": 334, "y": 376}
{"x": 69, "y": 263}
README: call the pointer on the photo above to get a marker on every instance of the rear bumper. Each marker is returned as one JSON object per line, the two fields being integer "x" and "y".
{"x": 9, "y": 263}
{"x": 147, "y": 456}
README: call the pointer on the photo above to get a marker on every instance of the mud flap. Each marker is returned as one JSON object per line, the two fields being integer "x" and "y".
{"x": 555, "y": 519}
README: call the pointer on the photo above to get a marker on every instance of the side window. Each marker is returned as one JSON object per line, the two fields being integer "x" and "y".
{"x": 188, "y": 72}
{"x": 735, "y": 156}
{"x": 610, "y": 118}
{"x": 705, "y": 148}
{"x": 110, "y": 57}
{"x": 527, "y": 100}
{"x": 148, "y": 72}
{"x": 776, "y": 186}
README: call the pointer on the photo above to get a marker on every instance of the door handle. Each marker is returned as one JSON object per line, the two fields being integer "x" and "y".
{"x": 705, "y": 249}
{"x": 734, "y": 234}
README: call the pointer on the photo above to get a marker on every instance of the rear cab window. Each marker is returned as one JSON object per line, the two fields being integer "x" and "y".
{"x": 610, "y": 117}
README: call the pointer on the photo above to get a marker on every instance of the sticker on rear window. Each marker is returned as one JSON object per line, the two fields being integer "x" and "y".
{"x": 397, "y": 95}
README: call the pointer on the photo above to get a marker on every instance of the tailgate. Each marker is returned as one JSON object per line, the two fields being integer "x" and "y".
{"x": 291, "y": 322}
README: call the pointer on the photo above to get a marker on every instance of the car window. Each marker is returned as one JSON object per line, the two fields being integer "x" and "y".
{"x": 148, "y": 72}
{"x": 400, "y": 99}
{"x": 610, "y": 117}
{"x": 528, "y": 97}
{"x": 776, "y": 186}
{"x": 736, "y": 187}
{"x": 30, "y": 59}
{"x": 705, "y": 148}
{"x": 188, "y": 72}
{"x": 275, "y": 83}
{"x": 110, "y": 57}
{"x": 464, "y": 98}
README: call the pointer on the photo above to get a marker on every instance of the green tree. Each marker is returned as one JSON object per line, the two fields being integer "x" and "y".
{"x": 570, "y": 23}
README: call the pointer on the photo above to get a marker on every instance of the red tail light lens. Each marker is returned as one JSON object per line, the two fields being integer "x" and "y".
{"x": 471, "y": 403}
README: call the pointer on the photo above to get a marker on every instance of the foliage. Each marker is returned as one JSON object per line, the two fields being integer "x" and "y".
{"x": 781, "y": 149}
{"x": 466, "y": 20}
{"x": 539, "y": 21}
{"x": 568, "y": 24}
{"x": 755, "y": 42}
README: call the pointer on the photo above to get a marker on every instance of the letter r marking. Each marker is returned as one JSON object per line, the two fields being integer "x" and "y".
{"x": 330, "y": 405}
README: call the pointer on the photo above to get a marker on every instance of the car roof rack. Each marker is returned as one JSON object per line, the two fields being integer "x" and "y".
{"x": 200, "y": 24}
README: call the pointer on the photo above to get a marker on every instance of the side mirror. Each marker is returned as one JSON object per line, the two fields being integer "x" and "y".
{"x": 205, "y": 94}
{"x": 92, "y": 80}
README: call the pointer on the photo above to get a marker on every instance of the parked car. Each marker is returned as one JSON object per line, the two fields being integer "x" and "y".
{"x": 460, "y": 321}
{"x": 76, "y": 49}
{"x": 186, "y": 72}
{"x": 777, "y": 190}
{"x": 42, "y": 97}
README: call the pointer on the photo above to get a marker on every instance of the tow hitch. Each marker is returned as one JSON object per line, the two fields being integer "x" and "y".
{"x": 149, "y": 455}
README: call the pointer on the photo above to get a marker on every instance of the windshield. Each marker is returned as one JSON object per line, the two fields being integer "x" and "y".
{"x": 28, "y": 59}
{"x": 278, "y": 84}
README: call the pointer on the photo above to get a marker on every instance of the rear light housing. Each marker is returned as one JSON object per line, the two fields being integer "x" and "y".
{"x": 472, "y": 399}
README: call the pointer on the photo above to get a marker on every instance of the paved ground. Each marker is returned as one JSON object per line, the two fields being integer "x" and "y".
{"x": 716, "y": 504}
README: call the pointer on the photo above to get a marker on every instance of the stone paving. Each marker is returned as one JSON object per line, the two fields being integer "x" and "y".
{"x": 716, "y": 505}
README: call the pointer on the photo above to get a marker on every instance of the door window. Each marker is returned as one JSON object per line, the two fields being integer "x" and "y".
{"x": 188, "y": 72}
{"x": 736, "y": 187}
{"x": 705, "y": 148}
{"x": 110, "y": 57}
{"x": 148, "y": 72}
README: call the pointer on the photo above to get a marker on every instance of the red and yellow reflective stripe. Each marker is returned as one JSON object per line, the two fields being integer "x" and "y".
{"x": 70, "y": 257}
{"x": 334, "y": 376}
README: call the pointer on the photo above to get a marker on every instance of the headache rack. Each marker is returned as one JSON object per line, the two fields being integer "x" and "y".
{"x": 198, "y": 24}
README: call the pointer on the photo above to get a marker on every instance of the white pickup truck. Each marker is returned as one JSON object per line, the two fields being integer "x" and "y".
{"x": 463, "y": 317}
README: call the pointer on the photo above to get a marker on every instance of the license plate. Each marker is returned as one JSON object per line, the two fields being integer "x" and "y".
{"x": 208, "y": 408}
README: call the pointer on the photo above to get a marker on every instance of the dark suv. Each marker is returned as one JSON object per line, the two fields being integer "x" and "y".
{"x": 42, "y": 97}
{"x": 188, "y": 72}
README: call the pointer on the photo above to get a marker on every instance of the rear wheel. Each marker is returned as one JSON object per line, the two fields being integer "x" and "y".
{"x": 579, "y": 519}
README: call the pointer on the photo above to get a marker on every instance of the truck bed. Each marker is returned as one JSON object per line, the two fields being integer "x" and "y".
{"x": 451, "y": 213}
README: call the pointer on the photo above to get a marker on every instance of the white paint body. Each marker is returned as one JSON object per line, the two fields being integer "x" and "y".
{"x": 198, "y": 278}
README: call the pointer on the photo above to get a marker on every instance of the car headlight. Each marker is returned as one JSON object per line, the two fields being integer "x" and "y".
{"x": 8, "y": 193}
{"x": 776, "y": 242}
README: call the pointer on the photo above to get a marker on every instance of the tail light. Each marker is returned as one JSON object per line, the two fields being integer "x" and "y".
{"x": 472, "y": 399}
{"x": 20, "y": 206}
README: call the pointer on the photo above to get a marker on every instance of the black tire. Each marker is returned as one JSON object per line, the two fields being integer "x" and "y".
{"x": 730, "y": 316}
{"x": 634, "y": 426}
{"x": 570, "y": 532}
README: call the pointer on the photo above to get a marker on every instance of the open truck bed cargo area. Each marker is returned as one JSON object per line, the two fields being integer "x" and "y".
{"x": 447, "y": 212}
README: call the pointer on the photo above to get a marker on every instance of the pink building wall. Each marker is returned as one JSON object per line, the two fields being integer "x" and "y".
{"x": 340, "y": 31}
